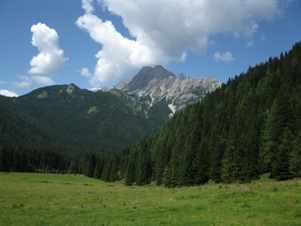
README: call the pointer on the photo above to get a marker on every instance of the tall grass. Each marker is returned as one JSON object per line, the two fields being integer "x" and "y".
{"x": 45, "y": 199}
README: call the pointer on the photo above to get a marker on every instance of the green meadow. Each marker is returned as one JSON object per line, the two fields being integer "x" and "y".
{"x": 48, "y": 199}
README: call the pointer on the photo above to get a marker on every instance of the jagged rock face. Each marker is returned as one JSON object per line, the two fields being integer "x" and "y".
{"x": 70, "y": 89}
{"x": 150, "y": 80}
{"x": 121, "y": 85}
{"x": 160, "y": 84}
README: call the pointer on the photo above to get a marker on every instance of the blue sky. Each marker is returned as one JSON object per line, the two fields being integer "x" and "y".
{"x": 99, "y": 43}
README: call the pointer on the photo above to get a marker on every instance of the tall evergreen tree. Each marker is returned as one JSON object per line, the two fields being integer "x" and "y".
{"x": 98, "y": 168}
{"x": 232, "y": 162}
{"x": 270, "y": 138}
{"x": 90, "y": 168}
{"x": 280, "y": 166}
{"x": 295, "y": 157}
{"x": 130, "y": 174}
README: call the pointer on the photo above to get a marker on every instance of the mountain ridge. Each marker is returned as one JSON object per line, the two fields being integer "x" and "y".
{"x": 107, "y": 119}
{"x": 74, "y": 118}
{"x": 158, "y": 83}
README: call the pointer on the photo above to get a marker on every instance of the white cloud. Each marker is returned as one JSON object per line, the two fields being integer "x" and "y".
{"x": 87, "y": 6}
{"x": 164, "y": 30}
{"x": 8, "y": 93}
{"x": 42, "y": 80}
{"x": 27, "y": 81}
{"x": 225, "y": 57}
{"x": 119, "y": 55}
{"x": 24, "y": 81}
{"x": 85, "y": 72}
{"x": 51, "y": 57}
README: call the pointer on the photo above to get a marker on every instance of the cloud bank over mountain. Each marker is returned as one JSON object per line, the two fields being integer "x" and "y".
{"x": 164, "y": 31}
{"x": 8, "y": 93}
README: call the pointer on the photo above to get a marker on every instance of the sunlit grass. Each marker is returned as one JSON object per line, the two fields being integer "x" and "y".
{"x": 45, "y": 199}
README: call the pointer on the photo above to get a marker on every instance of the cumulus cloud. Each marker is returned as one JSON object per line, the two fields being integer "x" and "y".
{"x": 163, "y": 31}
{"x": 119, "y": 55}
{"x": 51, "y": 57}
{"x": 8, "y": 93}
{"x": 225, "y": 57}
{"x": 27, "y": 81}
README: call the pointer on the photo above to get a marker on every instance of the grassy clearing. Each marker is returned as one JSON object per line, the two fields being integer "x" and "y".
{"x": 45, "y": 199}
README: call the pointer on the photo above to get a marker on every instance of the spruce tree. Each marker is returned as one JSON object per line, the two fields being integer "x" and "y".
{"x": 295, "y": 157}
{"x": 232, "y": 161}
{"x": 113, "y": 172}
{"x": 270, "y": 138}
{"x": 280, "y": 166}
{"x": 130, "y": 174}
{"x": 90, "y": 168}
{"x": 98, "y": 168}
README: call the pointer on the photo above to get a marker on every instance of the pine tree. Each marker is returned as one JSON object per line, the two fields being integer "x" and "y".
{"x": 232, "y": 162}
{"x": 270, "y": 138}
{"x": 295, "y": 157}
{"x": 98, "y": 168}
{"x": 74, "y": 167}
{"x": 90, "y": 168}
{"x": 250, "y": 169}
{"x": 201, "y": 164}
{"x": 280, "y": 166}
{"x": 172, "y": 172}
{"x": 144, "y": 168}
{"x": 113, "y": 172}
{"x": 216, "y": 150}
{"x": 130, "y": 174}
{"x": 106, "y": 169}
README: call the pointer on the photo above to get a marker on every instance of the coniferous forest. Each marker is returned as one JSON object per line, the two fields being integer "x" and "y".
{"x": 249, "y": 126}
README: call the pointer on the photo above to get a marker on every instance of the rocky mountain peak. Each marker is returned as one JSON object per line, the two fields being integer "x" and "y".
{"x": 182, "y": 77}
{"x": 159, "y": 84}
{"x": 146, "y": 78}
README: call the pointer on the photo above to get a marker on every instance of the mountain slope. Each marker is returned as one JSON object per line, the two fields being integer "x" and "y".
{"x": 77, "y": 119}
{"x": 15, "y": 130}
{"x": 161, "y": 93}
{"x": 250, "y": 126}
{"x": 71, "y": 118}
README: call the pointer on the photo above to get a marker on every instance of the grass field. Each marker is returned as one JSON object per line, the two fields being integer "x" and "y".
{"x": 45, "y": 199}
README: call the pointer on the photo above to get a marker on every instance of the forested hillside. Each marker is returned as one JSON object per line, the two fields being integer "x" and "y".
{"x": 66, "y": 117}
{"x": 250, "y": 126}
{"x": 52, "y": 126}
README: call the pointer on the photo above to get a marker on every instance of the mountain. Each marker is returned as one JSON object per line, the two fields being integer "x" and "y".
{"x": 59, "y": 128}
{"x": 245, "y": 128}
{"x": 69, "y": 118}
{"x": 161, "y": 93}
